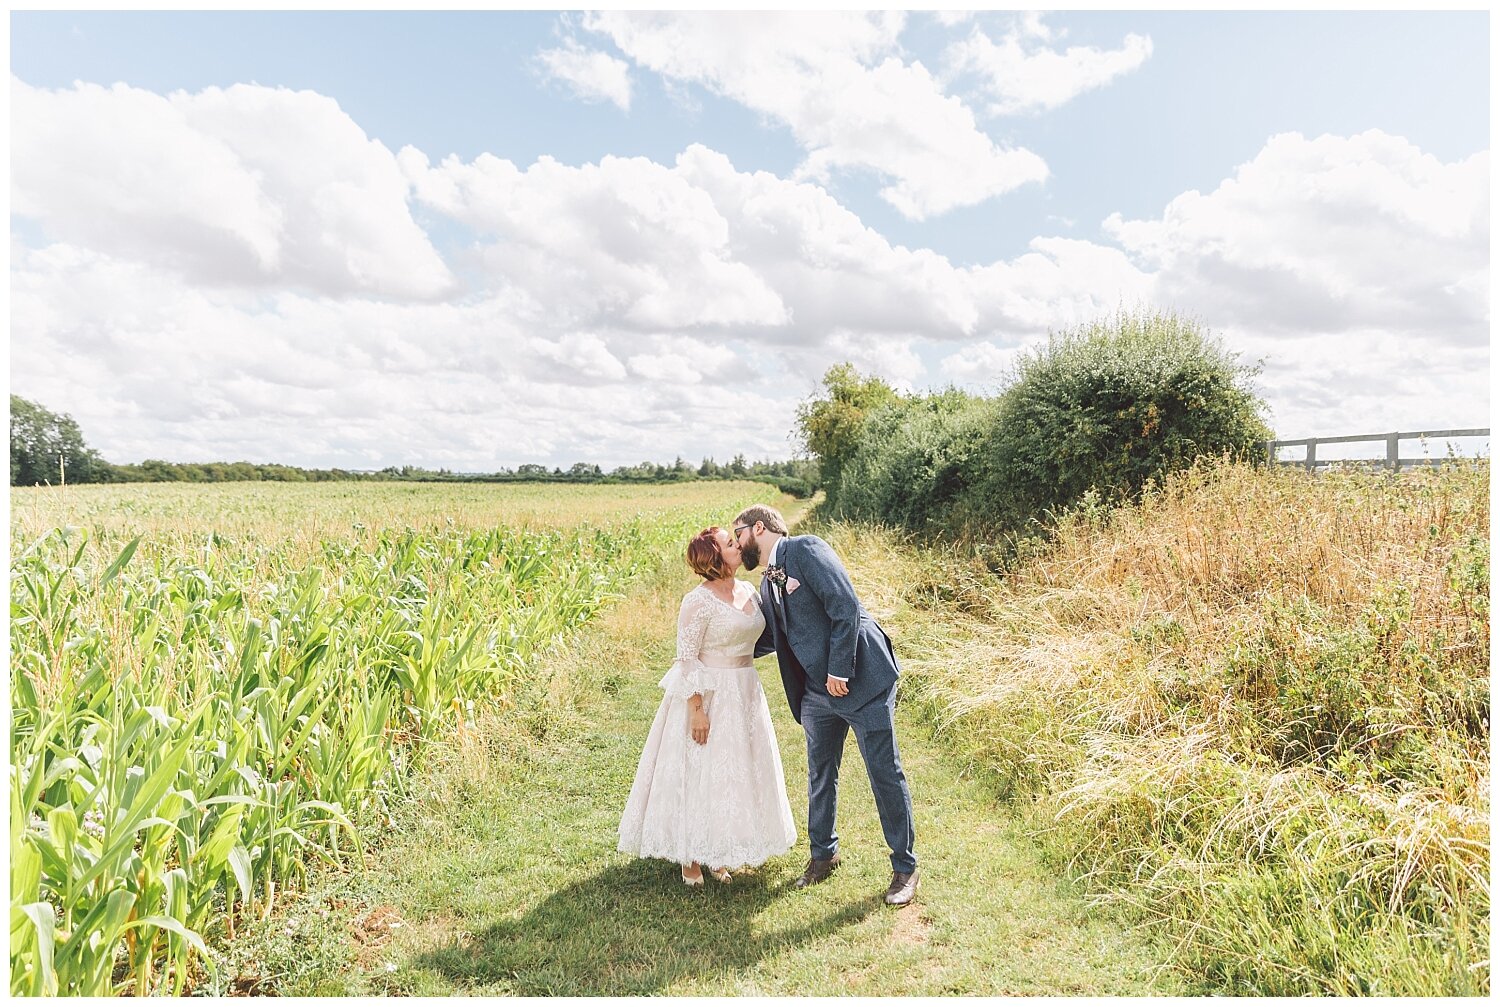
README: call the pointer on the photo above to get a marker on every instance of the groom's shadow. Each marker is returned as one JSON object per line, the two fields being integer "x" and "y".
{"x": 635, "y": 929}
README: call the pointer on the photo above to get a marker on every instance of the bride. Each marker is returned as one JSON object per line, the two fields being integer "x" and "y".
{"x": 709, "y": 790}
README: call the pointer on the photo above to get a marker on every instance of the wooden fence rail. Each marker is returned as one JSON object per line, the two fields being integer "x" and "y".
{"x": 1392, "y": 460}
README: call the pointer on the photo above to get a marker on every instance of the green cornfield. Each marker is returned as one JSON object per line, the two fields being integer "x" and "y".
{"x": 215, "y": 687}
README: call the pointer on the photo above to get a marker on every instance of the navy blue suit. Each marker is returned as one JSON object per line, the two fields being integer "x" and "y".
{"x": 821, "y": 629}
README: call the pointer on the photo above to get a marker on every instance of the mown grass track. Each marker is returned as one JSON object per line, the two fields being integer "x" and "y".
{"x": 502, "y": 877}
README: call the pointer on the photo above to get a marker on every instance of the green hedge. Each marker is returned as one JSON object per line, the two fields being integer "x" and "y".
{"x": 915, "y": 459}
{"x": 1103, "y": 408}
{"x": 1107, "y": 407}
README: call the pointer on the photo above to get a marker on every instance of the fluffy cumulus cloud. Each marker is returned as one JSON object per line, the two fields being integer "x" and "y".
{"x": 246, "y": 186}
{"x": 626, "y": 239}
{"x": 979, "y": 363}
{"x": 590, "y": 74}
{"x": 1329, "y": 234}
{"x": 153, "y": 367}
{"x": 1367, "y": 380}
{"x": 231, "y": 283}
{"x": 1022, "y": 72}
{"x": 700, "y": 247}
{"x": 1355, "y": 268}
{"x": 838, "y": 82}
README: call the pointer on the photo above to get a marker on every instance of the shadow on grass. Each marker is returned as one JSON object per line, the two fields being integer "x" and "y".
{"x": 635, "y": 929}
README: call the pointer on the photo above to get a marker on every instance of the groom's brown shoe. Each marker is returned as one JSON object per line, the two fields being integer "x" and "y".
{"x": 817, "y": 870}
{"x": 903, "y": 888}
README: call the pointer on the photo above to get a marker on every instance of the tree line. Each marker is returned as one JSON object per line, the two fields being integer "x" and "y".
{"x": 1090, "y": 418}
{"x": 48, "y": 449}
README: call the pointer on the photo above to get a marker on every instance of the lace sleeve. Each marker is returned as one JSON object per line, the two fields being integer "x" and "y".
{"x": 687, "y": 678}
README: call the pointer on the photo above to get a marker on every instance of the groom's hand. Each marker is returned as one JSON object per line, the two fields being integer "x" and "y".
{"x": 837, "y": 686}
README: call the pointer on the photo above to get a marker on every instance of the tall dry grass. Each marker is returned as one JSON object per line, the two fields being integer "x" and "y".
{"x": 1255, "y": 706}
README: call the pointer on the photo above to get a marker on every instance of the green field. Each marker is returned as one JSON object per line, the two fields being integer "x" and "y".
{"x": 340, "y": 739}
{"x": 215, "y": 687}
{"x": 501, "y": 876}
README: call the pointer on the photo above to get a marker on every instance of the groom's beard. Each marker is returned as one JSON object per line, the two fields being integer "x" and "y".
{"x": 750, "y": 555}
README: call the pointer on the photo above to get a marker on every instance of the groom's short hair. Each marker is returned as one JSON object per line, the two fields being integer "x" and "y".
{"x": 768, "y": 516}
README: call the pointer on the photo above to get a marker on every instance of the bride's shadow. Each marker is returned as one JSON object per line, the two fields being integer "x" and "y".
{"x": 635, "y": 929}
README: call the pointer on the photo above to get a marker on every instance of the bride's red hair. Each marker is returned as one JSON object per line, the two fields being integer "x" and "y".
{"x": 704, "y": 556}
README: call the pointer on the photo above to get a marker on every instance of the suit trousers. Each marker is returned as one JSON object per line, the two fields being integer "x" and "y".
{"x": 874, "y": 728}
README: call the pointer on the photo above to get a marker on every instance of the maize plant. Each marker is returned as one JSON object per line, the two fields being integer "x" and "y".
{"x": 200, "y": 716}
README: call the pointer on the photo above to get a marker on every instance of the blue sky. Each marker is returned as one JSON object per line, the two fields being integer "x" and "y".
{"x": 1207, "y": 100}
{"x": 1216, "y": 85}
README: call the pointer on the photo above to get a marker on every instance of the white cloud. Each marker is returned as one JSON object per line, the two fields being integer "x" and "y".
{"x": 592, "y": 75}
{"x": 1021, "y": 74}
{"x": 894, "y": 359}
{"x": 582, "y": 354}
{"x": 246, "y": 186}
{"x": 1059, "y": 283}
{"x": 629, "y": 245}
{"x": 837, "y": 81}
{"x": 950, "y": 18}
{"x": 152, "y": 367}
{"x": 698, "y": 246}
{"x": 684, "y": 360}
{"x": 630, "y": 309}
{"x": 979, "y": 364}
{"x": 1329, "y": 235}
{"x": 626, "y": 239}
{"x": 1367, "y": 380}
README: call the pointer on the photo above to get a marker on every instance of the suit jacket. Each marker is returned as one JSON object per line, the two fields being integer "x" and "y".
{"x": 822, "y": 629}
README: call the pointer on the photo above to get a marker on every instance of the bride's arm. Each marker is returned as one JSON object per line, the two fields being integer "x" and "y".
{"x": 692, "y": 626}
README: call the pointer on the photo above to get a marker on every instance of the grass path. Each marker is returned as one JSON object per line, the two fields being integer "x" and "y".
{"x": 505, "y": 879}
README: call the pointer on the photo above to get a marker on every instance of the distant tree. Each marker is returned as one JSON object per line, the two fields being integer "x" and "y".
{"x": 831, "y": 426}
{"x": 48, "y": 448}
{"x": 157, "y": 471}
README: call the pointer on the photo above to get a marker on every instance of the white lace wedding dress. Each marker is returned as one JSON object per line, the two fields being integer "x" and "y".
{"x": 722, "y": 803}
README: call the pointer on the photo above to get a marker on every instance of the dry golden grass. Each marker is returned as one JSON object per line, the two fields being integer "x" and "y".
{"x": 1255, "y": 705}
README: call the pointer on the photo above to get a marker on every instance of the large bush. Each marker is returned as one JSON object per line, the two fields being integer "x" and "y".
{"x": 1104, "y": 408}
{"x": 913, "y": 460}
{"x": 1107, "y": 407}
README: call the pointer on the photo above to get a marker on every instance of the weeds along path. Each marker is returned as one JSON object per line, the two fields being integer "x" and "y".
{"x": 505, "y": 880}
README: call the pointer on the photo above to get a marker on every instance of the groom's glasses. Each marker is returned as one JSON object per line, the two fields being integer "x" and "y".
{"x": 740, "y": 529}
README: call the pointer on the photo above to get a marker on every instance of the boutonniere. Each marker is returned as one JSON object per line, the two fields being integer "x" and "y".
{"x": 777, "y": 575}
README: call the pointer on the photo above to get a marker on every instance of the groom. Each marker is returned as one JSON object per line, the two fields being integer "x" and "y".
{"x": 840, "y": 673}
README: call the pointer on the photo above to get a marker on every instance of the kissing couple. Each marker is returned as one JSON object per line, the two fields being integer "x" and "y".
{"x": 709, "y": 792}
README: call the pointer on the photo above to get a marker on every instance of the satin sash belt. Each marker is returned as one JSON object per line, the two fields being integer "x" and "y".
{"x": 713, "y": 661}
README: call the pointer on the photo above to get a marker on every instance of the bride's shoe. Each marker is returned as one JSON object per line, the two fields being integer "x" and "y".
{"x": 693, "y": 882}
{"x": 721, "y": 874}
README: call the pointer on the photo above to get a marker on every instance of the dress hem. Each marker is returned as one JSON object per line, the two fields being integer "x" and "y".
{"x": 745, "y": 860}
